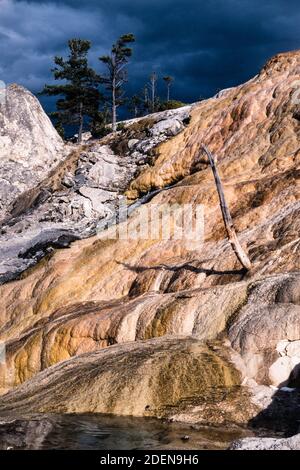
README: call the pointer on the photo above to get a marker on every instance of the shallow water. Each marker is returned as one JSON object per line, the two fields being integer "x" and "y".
{"x": 101, "y": 432}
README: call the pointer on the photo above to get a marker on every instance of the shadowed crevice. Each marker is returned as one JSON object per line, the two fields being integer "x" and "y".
{"x": 185, "y": 266}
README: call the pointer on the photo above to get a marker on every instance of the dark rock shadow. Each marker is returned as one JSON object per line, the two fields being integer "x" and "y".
{"x": 186, "y": 266}
{"x": 224, "y": 277}
{"x": 282, "y": 416}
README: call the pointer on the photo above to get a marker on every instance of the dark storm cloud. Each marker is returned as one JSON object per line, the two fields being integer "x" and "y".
{"x": 205, "y": 45}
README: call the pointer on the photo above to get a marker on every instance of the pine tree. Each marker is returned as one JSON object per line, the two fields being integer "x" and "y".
{"x": 168, "y": 81}
{"x": 80, "y": 91}
{"x": 153, "y": 83}
{"x": 116, "y": 75}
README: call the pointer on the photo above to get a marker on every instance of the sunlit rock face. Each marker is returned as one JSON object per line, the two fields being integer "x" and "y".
{"x": 105, "y": 293}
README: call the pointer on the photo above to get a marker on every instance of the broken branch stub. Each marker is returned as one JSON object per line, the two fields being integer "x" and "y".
{"x": 228, "y": 222}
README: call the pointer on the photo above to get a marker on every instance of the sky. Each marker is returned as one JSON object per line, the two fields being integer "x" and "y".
{"x": 206, "y": 45}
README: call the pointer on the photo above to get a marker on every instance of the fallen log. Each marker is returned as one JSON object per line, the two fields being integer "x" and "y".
{"x": 228, "y": 222}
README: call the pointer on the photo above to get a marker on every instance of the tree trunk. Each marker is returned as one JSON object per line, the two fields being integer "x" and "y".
{"x": 153, "y": 95}
{"x": 114, "y": 107}
{"x": 240, "y": 254}
{"x": 168, "y": 93}
{"x": 146, "y": 97}
{"x": 80, "y": 123}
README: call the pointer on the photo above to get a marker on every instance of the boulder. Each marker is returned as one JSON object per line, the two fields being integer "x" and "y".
{"x": 132, "y": 143}
{"x": 280, "y": 371}
{"x": 169, "y": 127}
{"x": 293, "y": 349}
{"x": 29, "y": 145}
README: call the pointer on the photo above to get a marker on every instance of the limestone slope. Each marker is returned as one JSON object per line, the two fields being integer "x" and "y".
{"x": 104, "y": 290}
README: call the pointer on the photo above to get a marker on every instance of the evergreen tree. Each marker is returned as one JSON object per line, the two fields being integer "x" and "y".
{"x": 80, "y": 96}
{"x": 99, "y": 125}
{"x": 135, "y": 105}
{"x": 168, "y": 81}
{"x": 116, "y": 72}
{"x": 60, "y": 128}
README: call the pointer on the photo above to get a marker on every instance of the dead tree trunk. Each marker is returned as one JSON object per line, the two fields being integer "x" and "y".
{"x": 228, "y": 222}
{"x": 80, "y": 123}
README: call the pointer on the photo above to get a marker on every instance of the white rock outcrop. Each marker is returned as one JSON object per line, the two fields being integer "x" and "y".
{"x": 29, "y": 145}
{"x": 258, "y": 443}
{"x": 286, "y": 367}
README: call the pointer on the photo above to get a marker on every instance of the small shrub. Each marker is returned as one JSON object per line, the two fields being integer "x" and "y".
{"x": 172, "y": 104}
{"x": 98, "y": 131}
{"x": 99, "y": 127}
{"x": 120, "y": 126}
{"x": 60, "y": 129}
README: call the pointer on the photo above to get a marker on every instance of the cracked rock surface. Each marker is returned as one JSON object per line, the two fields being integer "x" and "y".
{"x": 72, "y": 188}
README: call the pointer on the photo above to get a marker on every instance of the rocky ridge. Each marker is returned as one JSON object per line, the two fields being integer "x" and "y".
{"x": 80, "y": 191}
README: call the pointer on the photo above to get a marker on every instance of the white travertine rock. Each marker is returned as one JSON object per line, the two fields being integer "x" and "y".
{"x": 132, "y": 143}
{"x": 258, "y": 443}
{"x": 280, "y": 371}
{"x": 281, "y": 347}
{"x": 29, "y": 145}
{"x": 293, "y": 349}
{"x": 167, "y": 126}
